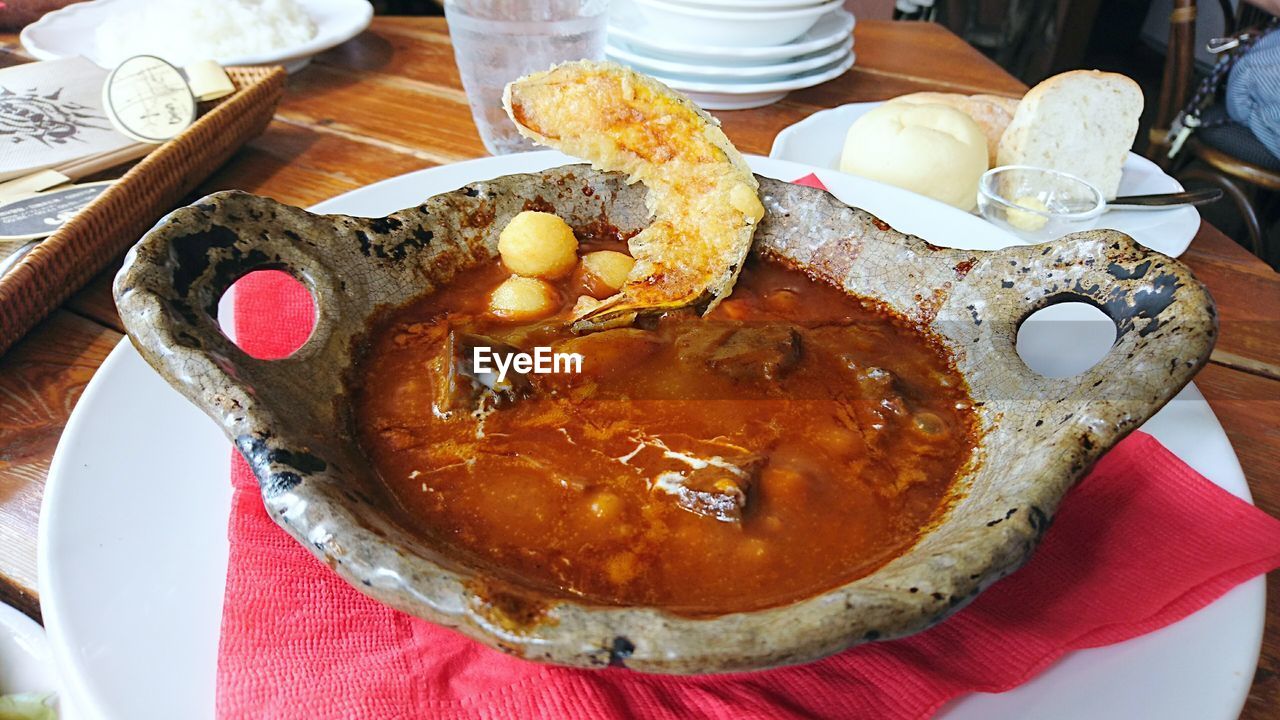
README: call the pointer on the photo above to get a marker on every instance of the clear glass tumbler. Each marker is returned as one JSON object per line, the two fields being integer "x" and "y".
{"x": 497, "y": 41}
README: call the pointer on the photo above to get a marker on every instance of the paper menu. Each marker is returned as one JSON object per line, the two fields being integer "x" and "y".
{"x": 51, "y": 114}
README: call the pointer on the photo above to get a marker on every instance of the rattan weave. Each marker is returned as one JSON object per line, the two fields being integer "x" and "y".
{"x": 100, "y": 233}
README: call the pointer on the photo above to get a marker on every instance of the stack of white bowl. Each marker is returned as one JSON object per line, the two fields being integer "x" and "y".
{"x": 733, "y": 54}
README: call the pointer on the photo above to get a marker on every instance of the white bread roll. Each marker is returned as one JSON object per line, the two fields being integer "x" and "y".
{"x": 1081, "y": 122}
{"x": 934, "y": 150}
{"x": 993, "y": 113}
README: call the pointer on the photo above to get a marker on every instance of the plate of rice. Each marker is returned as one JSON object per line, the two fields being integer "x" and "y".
{"x": 232, "y": 32}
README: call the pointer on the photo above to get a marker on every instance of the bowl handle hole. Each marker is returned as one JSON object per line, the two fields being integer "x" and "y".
{"x": 1065, "y": 339}
{"x": 276, "y": 328}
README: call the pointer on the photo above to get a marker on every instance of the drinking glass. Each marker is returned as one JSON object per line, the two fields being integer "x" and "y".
{"x": 497, "y": 41}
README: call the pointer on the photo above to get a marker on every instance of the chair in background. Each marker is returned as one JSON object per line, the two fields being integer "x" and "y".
{"x": 1229, "y": 156}
{"x": 923, "y": 10}
{"x": 1028, "y": 38}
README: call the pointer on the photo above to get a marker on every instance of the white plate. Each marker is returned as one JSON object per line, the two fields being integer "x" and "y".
{"x": 133, "y": 546}
{"x": 26, "y": 662}
{"x": 732, "y": 27}
{"x": 819, "y": 138}
{"x": 750, "y": 4}
{"x": 627, "y": 23}
{"x": 736, "y": 95}
{"x": 619, "y": 50}
{"x": 70, "y": 31}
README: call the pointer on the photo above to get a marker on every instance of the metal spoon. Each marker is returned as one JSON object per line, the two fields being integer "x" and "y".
{"x": 1163, "y": 200}
{"x": 16, "y": 256}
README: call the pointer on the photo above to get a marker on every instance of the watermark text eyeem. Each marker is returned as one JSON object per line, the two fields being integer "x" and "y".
{"x": 542, "y": 361}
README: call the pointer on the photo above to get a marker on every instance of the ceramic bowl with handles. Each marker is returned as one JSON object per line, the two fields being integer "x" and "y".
{"x": 290, "y": 418}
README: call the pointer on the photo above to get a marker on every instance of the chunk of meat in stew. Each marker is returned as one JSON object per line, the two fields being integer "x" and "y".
{"x": 460, "y": 386}
{"x": 766, "y": 352}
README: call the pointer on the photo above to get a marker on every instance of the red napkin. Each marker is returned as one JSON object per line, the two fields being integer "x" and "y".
{"x": 1139, "y": 544}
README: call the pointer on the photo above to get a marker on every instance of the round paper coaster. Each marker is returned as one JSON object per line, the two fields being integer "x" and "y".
{"x": 148, "y": 99}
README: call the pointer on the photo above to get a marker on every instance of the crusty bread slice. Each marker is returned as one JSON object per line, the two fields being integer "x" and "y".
{"x": 702, "y": 192}
{"x": 992, "y": 113}
{"x": 1082, "y": 122}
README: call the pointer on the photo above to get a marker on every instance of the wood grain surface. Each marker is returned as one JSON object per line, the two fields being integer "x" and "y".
{"x": 390, "y": 102}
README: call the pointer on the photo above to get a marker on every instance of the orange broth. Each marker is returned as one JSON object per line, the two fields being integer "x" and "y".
{"x": 791, "y": 441}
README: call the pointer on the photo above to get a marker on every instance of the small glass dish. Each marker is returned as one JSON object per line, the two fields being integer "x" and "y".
{"x": 1038, "y": 204}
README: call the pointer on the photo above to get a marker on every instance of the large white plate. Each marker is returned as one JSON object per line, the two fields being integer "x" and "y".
{"x": 133, "y": 545}
{"x": 818, "y": 139}
{"x": 70, "y": 31}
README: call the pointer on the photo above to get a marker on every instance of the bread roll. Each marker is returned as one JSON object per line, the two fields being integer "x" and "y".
{"x": 934, "y": 150}
{"x": 992, "y": 113}
{"x": 1081, "y": 122}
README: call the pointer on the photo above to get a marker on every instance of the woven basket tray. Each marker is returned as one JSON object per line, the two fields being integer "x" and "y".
{"x": 100, "y": 233}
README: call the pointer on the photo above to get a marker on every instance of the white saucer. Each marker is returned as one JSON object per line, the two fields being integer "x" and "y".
{"x": 744, "y": 95}
{"x": 620, "y": 51}
{"x": 754, "y": 4}
{"x": 26, "y": 661}
{"x": 818, "y": 139}
{"x": 70, "y": 31}
{"x": 628, "y": 25}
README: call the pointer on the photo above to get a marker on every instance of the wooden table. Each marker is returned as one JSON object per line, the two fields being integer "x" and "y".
{"x": 390, "y": 102}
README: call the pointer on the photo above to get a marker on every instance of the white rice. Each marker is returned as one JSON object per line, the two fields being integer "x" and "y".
{"x": 184, "y": 31}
